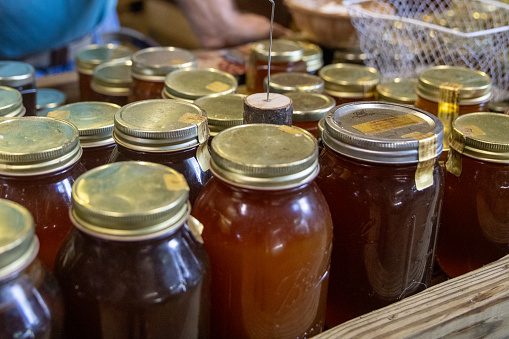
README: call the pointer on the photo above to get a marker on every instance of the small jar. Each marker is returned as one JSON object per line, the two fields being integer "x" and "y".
{"x": 350, "y": 83}
{"x": 91, "y": 56}
{"x": 268, "y": 233}
{"x": 474, "y": 226}
{"x": 309, "y": 108}
{"x": 168, "y": 132}
{"x": 49, "y": 99}
{"x": 400, "y": 91}
{"x": 11, "y": 102}
{"x": 131, "y": 266}
{"x": 94, "y": 121}
{"x": 31, "y": 304}
{"x": 111, "y": 82}
{"x": 150, "y": 67}
{"x": 39, "y": 161}
{"x": 223, "y": 111}
{"x": 380, "y": 175}
{"x": 286, "y": 56}
{"x": 294, "y": 82}
{"x": 20, "y": 76}
{"x": 313, "y": 57}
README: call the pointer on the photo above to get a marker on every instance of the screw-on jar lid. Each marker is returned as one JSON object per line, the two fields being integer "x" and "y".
{"x": 155, "y": 63}
{"x": 350, "y": 80}
{"x": 11, "y": 102}
{"x": 112, "y": 78}
{"x": 475, "y": 86}
{"x": 265, "y": 156}
{"x": 192, "y": 84}
{"x": 498, "y": 106}
{"x": 321, "y": 127}
{"x": 400, "y": 91}
{"x": 383, "y": 132}
{"x": 282, "y": 50}
{"x": 223, "y": 111}
{"x": 294, "y": 82}
{"x": 18, "y": 243}
{"x": 37, "y": 145}
{"x": 313, "y": 56}
{"x": 93, "y": 119}
{"x": 160, "y": 125}
{"x": 482, "y": 136}
{"x": 130, "y": 199}
{"x": 310, "y": 106}
{"x": 16, "y": 73}
{"x": 48, "y": 98}
{"x": 91, "y": 56}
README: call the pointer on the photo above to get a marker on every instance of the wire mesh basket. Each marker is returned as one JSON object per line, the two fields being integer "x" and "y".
{"x": 403, "y": 37}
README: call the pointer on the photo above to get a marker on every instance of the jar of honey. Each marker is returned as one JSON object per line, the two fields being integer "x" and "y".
{"x": 313, "y": 57}
{"x": 268, "y": 233}
{"x": 11, "y": 102}
{"x": 132, "y": 267}
{"x": 150, "y": 67}
{"x": 94, "y": 121}
{"x": 309, "y": 108}
{"x": 294, "y": 82}
{"x": 31, "y": 304}
{"x": 286, "y": 56}
{"x": 474, "y": 226}
{"x": 380, "y": 175}
{"x": 39, "y": 161}
{"x": 91, "y": 56}
{"x": 168, "y": 132}
{"x": 48, "y": 99}
{"x": 349, "y": 82}
{"x": 223, "y": 111}
{"x": 400, "y": 91}
{"x": 192, "y": 84}
{"x": 111, "y": 82}
{"x": 20, "y": 76}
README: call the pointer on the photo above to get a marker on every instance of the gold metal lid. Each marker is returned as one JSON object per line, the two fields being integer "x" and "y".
{"x": 350, "y": 80}
{"x": 475, "y": 88}
{"x": 18, "y": 243}
{"x": 47, "y": 98}
{"x": 265, "y": 156}
{"x": 498, "y": 106}
{"x": 93, "y": 119}
{"x": 282, "y": 50}
{"x": 223, "y": 111}
{"x": 192, "y": 84}
{"x": 294, "y": 82}
{"x": 482, "y": 136}
{"x": 37, "y": 145}
{"x": 400, "y": 91}
{"x": 310, "y": 106}
{"x": 16, "y": 73}
{"x": 160, "y": 125}
{"x": 11, "y": 102}
{"x": 321, "y": 126}
{"x": 313, "y": 56}
{"x": 91, "y": 56}
{"x": 130, "y": 200}
{"x": 112, "y": 78}
{"x": 155, "y": 63}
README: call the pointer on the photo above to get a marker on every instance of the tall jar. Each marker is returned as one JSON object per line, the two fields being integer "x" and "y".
{"x": 380, "y": 175}
{"x": 11, "y": 102}
{"x": 31, "y": 304}
{"x": 20, "y": 76}
{"x": 309, "y": 108}
{"x": 111, "y": 82}
{"x": 286, "y": 56}
{"x": 168, "y": 132}
{"x": 150, "y": 67}
{"x": 474, "y": 226}
{"x": 294, "y": 82}
{"x": 268, "y": 233}
{"x": 39, "y": 161}
{"x": 94, "y": 121}
{"x": 223, "y": 111}
{"x": 131, "y": 267}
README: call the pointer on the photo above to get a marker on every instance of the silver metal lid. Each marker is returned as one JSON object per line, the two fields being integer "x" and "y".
{"x": 48, "y": 98}
{"x": 112, "y": 78}
{"x": 223, "y": 111}
{"x": 155, "y": 63}
{"x": 400, "y": 91}
{"x": 294, "y": 82}
{"x": 349, "y": 80}
{"x": 310, "y": 106}
{"x": 11, "y": 102}
{"x": 91, "y": 56}
{"x": 282, "y": 50}
{"x": 16, "y": 73}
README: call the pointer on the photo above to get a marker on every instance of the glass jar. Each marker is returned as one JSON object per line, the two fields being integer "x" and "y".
{"x": 131, "y": 267}
{"x": 39, "y": 161}
{"x": 286, "y": 56}
{"x": 49, "y": 99}
{"x": 309, "y": 108}
{"x": 474, "y": 226}
{"x": 223, "y": 111}
{"x": 349, "y": 82}
{"x": 91, "y": 56}
{"x": 380, "y": 176}
{"x": 268, "y": 233}
{"x": 313, "y": 57}
{"x": 20, "y": 76}
{"x": 400, "y": 91}
{"x": 150, "y": 67}
{"x": 168, "y": 132}
{"x": 31, "y": 304}
{"x": 94, "y": 121}
{"x": 192, "y": 84}
{"x": 11, "y": 102}
{"x": 294, "y": 82}
{"x": 111, "y": 82}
